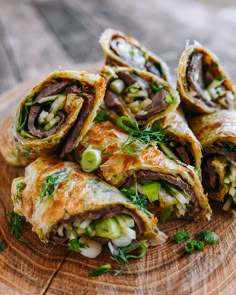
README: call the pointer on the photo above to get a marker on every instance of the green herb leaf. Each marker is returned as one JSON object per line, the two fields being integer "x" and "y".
{"x": 169, "y": 99}
{"x": 123, "y": 255}
{"x": 150, "y": 134}
{"x": 181, "y": 236}
{"x": 156, "y": 88}
{"x": 50, "y": 186}
{"x": 75, "y": 245}
{"x": 209, "y": 236}
{"x": 15, "y": 224}
{"x": 101, "y": 117}
{"x": 24, "y": 115}
{"x": 100, "y": 270}
{"x": 19, "y": 189}
{"x": 136, "y": 199}
{"x": 2, "y": 245}
{"x": 165, "y": 215}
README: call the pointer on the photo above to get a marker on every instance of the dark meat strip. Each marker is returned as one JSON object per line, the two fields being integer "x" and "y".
{"x": 84, "y": 112}
{"x": 127, "y": 77}
{"x": 103, "y": 213}
{"x": 51, "y": 89}
{"x": 33, "y": 115}
{"x": 158, "y": 105}
{"x": 210, "y": 177}
{"x": 182, "y": 153}
{"x": 113, "y": 101}
{"x": 230, "y": 155}
{"x": 176, "y": 180}
{"x": 196, "y": 69}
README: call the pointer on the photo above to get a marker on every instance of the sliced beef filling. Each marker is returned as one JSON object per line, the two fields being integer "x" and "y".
{"x": 114, "y": 102}
{"x": 175, "y": 180}
{"x": 103, "y": 213}
{"x": 210, "y": 178}
{"x": 84, "y": 112}
{"x": 51, "y": 89}
{"x": 158, "y": 105}
{"x": 195, "y": 76}
{"x": 230, "y": 155}
{"x": 33, "y": 115}
{"x": 184, "y": 155}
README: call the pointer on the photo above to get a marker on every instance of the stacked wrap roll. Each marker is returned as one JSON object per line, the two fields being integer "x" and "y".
{"x": 53, "y": 117}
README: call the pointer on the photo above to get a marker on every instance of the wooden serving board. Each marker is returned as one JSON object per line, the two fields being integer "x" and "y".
{"x": 36, "y": 268}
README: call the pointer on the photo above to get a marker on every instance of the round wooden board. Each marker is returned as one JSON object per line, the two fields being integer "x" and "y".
{"x": 35, "y": 268}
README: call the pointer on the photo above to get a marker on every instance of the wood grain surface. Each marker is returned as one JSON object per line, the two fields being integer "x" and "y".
{"x": 36, "y": 268}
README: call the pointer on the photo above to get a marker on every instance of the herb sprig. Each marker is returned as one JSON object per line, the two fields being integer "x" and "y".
{"x": 50, "y": 186}
{"x": 136, "y": 199}
{"x": 15, "y": 224}
{"x": 2, "y": 245}
{"x": 150, "y": 134}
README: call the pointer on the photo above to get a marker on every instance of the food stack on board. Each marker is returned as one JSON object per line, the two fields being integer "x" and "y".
{"x": 110, "y": 155}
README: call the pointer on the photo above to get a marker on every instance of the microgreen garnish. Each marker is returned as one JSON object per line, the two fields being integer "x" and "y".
{"x": 50, "y": 185}
{"x": 15, "y": 224}
{"x": 19, "y": 189}
{"x": 75, "y": 245}
{"x": 101, "y": 117}
{"x": 2, "y": 245}
{"x": 156, "y": 88}
{"x": 209, "y": 236}
{"x": 123, "y": 256}
{"x": 181, "y": 236}
{"x": 150, "y": 134}
{"x": 136, "y": 199}
{"x": 100, "y": 270}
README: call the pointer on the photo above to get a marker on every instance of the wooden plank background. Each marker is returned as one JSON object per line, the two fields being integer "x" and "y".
{"x": 36, "y": 36}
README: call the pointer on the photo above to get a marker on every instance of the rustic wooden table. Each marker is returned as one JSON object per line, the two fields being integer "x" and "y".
{"x": 36, "y": 36}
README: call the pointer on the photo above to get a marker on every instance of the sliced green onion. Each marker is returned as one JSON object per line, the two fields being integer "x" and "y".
{"x": 117, "y": 86}
{"x": 189, "y": 248}
{"x": 199, "y": 245}
{"x": 135, "y": 72}
{"x": 100, "y": 270}
{"x": 181, "y": 236}
{"x": 127, "y": 124}
{"x": 91, "y": 159}
{"x": 209, "y": 236}
{"x": 101, "y": 117}
{"x": 156, "y": 88}
{"x": 169, "y": 99}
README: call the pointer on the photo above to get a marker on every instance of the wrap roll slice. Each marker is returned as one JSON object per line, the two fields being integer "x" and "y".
{"x": 123, "y": 50}
{"x": 217, "y": 134}
{"x": 53, "y": 116}
{"x": 137, "y": 94}
{"x": 64, "y": 204}
{"x": 203, "y": 84}
{"x": 168, "y": 185}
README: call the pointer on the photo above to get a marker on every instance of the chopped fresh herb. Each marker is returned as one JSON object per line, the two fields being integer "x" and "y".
{"x": 100, "y": 270}
{"x": 15, "y": 224}
{"x": 123, "y": 255}
{"x": 150, "y": 134}
{"x": 169, "y": 99}
{"x": 165, "y": 215}
{"x": 193, "y": 245}
{"x": 75, "y": 245}
{"x": 2, "y": 245}
{"x": 24, "y": 241}
{"x": 119, "y": 272}
{"x": 135, "y": 72}
{"x": 50, "y": 186}
{"x": 101, "y": 117}
{"x": 136, "y": 199}
{"x": 19, "y": 188}
{"x": 156, "y": 88}
{"x": 181, "y": 236}
{"x": 209, "y": 236}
